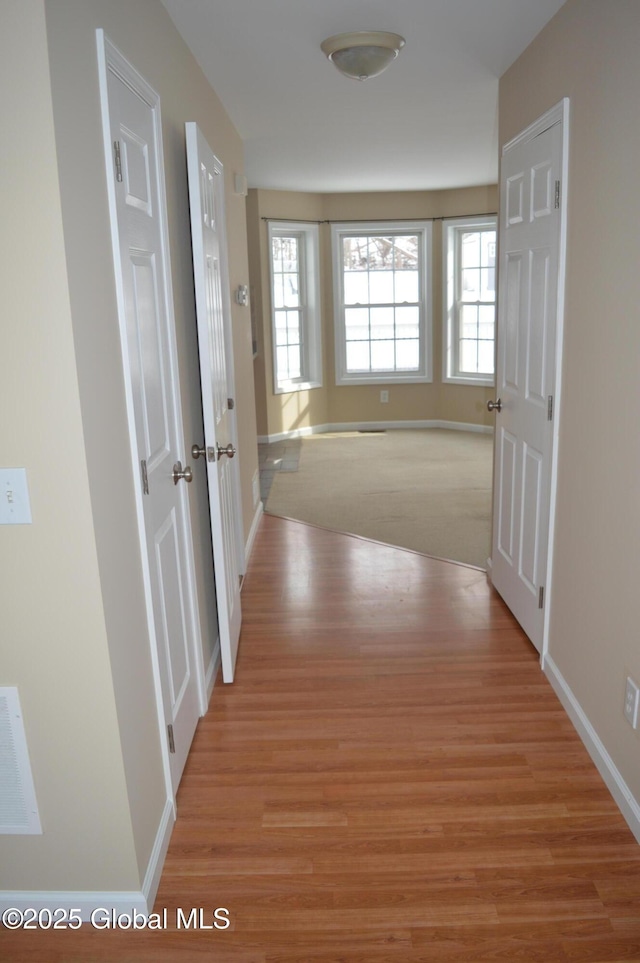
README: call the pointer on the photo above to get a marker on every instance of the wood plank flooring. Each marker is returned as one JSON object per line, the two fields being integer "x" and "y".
{"x": 391, "y": 779}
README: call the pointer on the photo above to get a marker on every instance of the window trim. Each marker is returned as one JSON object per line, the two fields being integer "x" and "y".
{"x": 311, "y": 336}
{"x": 449, "y": 321}
{"x": 386, "y": 228}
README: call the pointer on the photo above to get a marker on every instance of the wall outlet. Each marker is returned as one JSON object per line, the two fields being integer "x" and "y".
{"x": 632, "y": 703}
{"x": 384, "y": 397}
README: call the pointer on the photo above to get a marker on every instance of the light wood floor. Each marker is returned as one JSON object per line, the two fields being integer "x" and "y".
{"x": 390, "y": 780}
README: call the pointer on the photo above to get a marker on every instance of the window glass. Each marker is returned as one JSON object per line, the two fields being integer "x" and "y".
{"x": 470, "y": 300}
{"x": 295, "y": 304}
{"x": 381, "y": 303}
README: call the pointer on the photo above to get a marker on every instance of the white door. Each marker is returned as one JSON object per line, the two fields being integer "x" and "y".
{"x": 133, "y": 146}
{"x": 527, "y": 356}
{"x": 206, "y": 199}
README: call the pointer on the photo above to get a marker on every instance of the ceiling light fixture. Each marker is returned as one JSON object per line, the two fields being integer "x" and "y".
{"x": 363, "y": 54}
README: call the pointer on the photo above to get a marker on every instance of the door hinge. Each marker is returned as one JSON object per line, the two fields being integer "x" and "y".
{"x": 116, "y": 149}
{"x": 541, "y": 597}
{"x": 145, "y": 477}
{"x": 550, "y": 408}
{"x": 557, "y": 199}
{"x": 231, "y": 404}
{"x": 172, "y": 744}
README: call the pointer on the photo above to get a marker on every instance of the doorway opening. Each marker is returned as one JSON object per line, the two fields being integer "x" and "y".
{"x": 428, "y": 489}
{"x": 524, "y": 404}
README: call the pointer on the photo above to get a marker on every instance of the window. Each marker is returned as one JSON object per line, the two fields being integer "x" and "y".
{"x": 469, "y": 257}
{"x": 382, "y": 302}
{"x": 295, "y": 298}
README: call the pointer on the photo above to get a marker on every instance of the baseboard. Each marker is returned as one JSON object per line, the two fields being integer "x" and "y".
{"x": 212, "y": 669}
{"x": 158, "y": 854}
{"x": 104, "y": 904}
{"x": 253, "y": 531}
{"x": 373, "y": 426}
{"x": 628, "y": 805}
{"x": 77, "y": 904}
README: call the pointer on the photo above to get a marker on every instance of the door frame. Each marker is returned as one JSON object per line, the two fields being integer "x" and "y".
{"x": 110, "y": 59}
{"x": 558, "y": 114}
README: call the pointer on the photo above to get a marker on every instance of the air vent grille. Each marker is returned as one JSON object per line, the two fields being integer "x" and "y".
{"x": 18, "y": 806}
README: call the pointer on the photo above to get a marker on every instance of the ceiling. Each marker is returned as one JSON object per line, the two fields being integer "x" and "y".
{"x": 428, "y": 123}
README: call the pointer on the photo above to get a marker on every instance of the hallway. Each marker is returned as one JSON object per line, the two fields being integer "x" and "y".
{"x": 390, "y": 778}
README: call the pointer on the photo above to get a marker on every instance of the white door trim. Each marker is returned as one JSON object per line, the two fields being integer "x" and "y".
{"x": 559, "y": 114}
{"x": 111, "y": 60}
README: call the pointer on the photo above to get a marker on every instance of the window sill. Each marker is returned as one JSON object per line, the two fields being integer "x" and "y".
{"x": 382, "y": 379}
{"x": 289, "y": 387}
{"x": 474, "y": 382}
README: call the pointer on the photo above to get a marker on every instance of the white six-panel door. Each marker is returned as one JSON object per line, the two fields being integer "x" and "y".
{"x": 133, "y": 148}
{"x": 206, "y": 198}
{"x": 530, "y": 232}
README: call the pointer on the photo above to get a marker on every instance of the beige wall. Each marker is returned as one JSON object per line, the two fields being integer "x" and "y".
{"x": 53, "y": 643}
{"x": 589, "y": 52}
{"x": 77, "y": 642}
{"x": 332, "y": 404}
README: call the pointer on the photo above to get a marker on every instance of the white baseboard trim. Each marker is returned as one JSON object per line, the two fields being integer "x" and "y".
{"x": 252, "y": 533}
{"x": 84, "y": 903}
{"x": 373, "y": 426}
{"x": 212, "y": 669}
{"x": 81, "y": 904}
{"x": 628, "y": 805}
{"x": 158, "y": 854}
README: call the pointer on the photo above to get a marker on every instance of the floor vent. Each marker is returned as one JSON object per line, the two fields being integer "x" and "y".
{"x": 18, "y": 806}
{"x": 371, "y": 431}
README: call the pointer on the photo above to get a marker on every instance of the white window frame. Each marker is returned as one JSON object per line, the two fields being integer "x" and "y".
{"x": 310, "y": 321}
{"x": 385, "y": 228}
{"x": 451, "y": 228}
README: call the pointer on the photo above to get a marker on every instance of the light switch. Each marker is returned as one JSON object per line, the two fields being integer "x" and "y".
{"x": 14, "y": 497}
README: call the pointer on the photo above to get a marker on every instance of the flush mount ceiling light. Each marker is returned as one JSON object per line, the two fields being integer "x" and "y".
{"x": 363, "y": 54}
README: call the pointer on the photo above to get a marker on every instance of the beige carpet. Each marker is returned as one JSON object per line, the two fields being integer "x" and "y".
{"x": 428, "y": 490}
